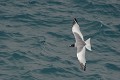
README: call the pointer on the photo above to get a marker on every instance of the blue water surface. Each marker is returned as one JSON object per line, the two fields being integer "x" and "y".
{"x": 35, "y": 35}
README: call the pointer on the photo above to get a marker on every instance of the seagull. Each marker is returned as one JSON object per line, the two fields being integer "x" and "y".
{"x": 80, "y": 44}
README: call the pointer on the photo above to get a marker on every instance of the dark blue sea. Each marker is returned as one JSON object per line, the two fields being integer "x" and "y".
{"x": 35, "y": 35}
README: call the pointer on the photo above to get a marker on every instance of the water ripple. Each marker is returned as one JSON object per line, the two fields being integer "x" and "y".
{"x": 112, "y": 66}
{"x": 35, "y": 35}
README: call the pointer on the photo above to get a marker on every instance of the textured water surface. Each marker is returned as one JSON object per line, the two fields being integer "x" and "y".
{"x": 35, "y": 35}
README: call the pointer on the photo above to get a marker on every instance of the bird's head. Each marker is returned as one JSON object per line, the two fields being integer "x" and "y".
{"x": 72, "y": 45}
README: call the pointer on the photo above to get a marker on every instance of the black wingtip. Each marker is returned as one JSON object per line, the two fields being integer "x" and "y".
{"x": 75, "y": 21}
{"x": 83, "y": 66}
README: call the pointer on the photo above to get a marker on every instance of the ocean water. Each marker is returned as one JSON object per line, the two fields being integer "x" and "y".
{"x": 35, "y": 35}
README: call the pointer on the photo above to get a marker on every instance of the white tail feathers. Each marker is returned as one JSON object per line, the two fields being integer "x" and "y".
{"x": 88, "y": 45}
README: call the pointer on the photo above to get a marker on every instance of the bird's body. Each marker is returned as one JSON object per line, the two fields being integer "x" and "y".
{"x": 80, "y": 44}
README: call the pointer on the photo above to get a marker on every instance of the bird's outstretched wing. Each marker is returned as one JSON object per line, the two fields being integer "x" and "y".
{"x": 81, "y": 58}
{"x": 76, "y": 28}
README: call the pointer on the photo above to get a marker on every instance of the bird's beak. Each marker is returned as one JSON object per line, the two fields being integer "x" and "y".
{"x": 69, "y": 45}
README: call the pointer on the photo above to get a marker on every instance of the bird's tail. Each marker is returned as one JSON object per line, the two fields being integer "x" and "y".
{"x": 88, "y": 45}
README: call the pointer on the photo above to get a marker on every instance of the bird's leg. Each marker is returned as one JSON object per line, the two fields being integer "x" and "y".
{"x": 72, "y": 45}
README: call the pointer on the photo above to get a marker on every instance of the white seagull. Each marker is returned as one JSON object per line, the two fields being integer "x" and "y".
{"x": 80, "y": 44}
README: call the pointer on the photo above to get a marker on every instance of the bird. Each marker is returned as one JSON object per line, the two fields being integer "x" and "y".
{"x": 80, "y": 44}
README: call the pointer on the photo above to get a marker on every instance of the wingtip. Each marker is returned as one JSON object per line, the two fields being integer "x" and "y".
{"x": 83, "y": 66}
{"x": 74, "y": 21}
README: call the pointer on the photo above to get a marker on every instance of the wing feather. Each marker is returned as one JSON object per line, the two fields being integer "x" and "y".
{"x": 76, "y": 29}
{"x": 81, "y": 58}
{"x": 79, "y": 42}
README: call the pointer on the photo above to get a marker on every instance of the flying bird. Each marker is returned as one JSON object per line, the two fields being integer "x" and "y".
{"x": 80, "y": 44}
